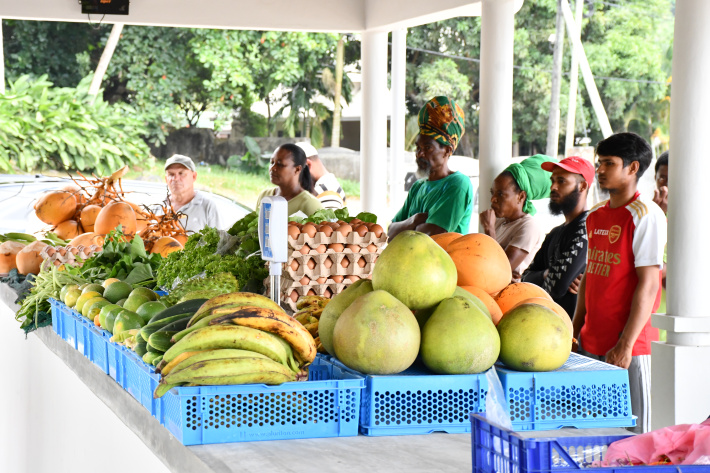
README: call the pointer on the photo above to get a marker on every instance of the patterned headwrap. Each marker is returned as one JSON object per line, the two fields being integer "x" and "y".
{"x": 442, "y": 119}
{"x": 532, "y": 179}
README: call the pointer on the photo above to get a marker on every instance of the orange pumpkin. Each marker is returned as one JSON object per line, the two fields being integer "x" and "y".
{"x": 550, "y": 304}
{"x": 516, "y": 292}
{"x": 443, "y": 239}
{"x": 488, "y": 301}
{"x": 481, "y": 262}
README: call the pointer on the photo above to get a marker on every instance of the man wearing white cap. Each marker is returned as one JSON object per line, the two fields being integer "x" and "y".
{"x": 327, "y": 188}
{"x": 199, "y": 210}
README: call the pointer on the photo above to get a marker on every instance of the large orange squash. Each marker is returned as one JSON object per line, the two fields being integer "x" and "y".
{"x": 488, "y": 301}
{"x": 443, "y": 239}
{"x": 113, "y": 215}
{"x": 550, "y": 304}
{"x": 514, "y": 293}
{"x": 480, "y": 262}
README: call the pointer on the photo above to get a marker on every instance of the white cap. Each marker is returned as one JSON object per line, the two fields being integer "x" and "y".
{"x": 308, "y": 148}
{"x": 182, "y": 160}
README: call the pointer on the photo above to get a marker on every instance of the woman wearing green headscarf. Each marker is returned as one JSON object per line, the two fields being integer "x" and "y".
{"x": 510, "y": 219}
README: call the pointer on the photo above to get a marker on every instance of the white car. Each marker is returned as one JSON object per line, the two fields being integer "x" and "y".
{"x": 18, "y": 193}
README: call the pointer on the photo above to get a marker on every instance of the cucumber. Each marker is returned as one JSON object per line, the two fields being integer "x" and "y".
{"x": 153, "y": 327}
{"x": 160, "y": 340}
{"x": 180, "y": 308}
{"x": 151, "y": 349}
{"x": 141, "y": 348}
{"x": 156, "y": 360}
{"x": 149, "y": 357}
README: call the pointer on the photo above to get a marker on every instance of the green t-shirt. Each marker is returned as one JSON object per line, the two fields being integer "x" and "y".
{"x": 448, "y": 201}
{"x": 305, "y": 202}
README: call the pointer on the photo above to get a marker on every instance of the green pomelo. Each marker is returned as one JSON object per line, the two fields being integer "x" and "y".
{"x": 82, "y": 286}
{"x": 479, "y": 303}
{"x": 533, "y": 338}
{"x": 377, "y": 334}
{"x": 459, "y": 338}
{"x": 111, "y": 318}
{"x": 148, "y": 309}
{"x": 83, "y": 299}
{"x": 105, "y": 311}
{"x": 109, "y": 281}
{"x": 134, "y": 302}
{"x": 145, "y": 292}
{"x": 95, "y": 308}
{"x": 72, "y": 296}
{"x": 93, "y": 287}
{"x": 415, "y": 270}
{"x": 335, "y": 307}
{"x": 63, "y": 291}
{"x": 127, "y": 320}
{"x": 117, "y": 291}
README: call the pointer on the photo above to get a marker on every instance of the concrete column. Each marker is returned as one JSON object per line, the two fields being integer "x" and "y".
{"x": 2, "y": 62}
{"x": 373, "y": 127}
{"x": 496, "y": 112}
{"x": 681, "y": 366}
{"x": 398, "y": 119}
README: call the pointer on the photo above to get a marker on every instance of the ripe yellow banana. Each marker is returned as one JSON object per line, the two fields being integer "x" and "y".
{"x": 229, "y": 336}
{"x": 205, "y": 355}
{"x": 233, "y": 300}
{"x": 279, "y": 324}
{"x": 318, "y": 301}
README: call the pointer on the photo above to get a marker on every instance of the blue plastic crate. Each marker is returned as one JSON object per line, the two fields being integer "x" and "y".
{"x": 140, "y": 380}
{"x": 98, "y": 349}
{"x": 325, "y": 406}
{"x": 583, "y": 393}
{"x": 499, "y": 450}
{"x": 161, "y": 293}
{"x": 417, "y": 401}
{"x": 115, "y": 359}
{"x": 63, "y": 321}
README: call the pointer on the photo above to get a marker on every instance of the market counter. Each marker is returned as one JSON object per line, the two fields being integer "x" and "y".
{"x": 52, "y": 422}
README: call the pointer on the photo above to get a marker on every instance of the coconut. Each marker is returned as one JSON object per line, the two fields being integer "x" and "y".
{"x": 8, "y": 255}
{"x": 29, "y": 259}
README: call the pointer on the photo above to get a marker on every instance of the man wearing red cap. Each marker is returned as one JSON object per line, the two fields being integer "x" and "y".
{"x": 561, "y": 260}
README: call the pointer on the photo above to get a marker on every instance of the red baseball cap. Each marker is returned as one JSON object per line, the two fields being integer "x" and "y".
{"x": 573, "y": 164}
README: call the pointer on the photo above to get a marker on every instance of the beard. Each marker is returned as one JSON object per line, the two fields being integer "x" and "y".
{"x": 567, "y": 204}
{"x": 423, "y": 169}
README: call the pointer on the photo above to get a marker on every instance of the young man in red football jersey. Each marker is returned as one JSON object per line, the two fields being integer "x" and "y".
{"x": 622, "y": 282}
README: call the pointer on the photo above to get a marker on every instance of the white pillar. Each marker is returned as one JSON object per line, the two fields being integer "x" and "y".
{"x": 2, "y": 63}
{"x": 105, "y": 58}
{"x": 681, "y": 366}
{"x": 373, "y": 127}
{"x": 573, "y": 82}
{"x": 496, "y": 112}
{"x": 398, "y": 118}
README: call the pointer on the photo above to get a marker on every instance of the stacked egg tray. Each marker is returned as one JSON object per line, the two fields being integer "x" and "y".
{"x": 69, "y": 255}
{"x": 325, "y": 265}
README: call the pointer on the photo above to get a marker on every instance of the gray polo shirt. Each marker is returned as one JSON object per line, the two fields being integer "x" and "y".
{"x": 200, "y": 211}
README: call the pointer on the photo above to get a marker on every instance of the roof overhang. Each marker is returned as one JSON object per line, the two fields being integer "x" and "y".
{"x": 290, "y": 15}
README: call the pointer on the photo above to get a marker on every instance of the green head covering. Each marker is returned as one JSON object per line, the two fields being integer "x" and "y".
{"x": 442, "y": 119}
{"x": 532, "y": 179}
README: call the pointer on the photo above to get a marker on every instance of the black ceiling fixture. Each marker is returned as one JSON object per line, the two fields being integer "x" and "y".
{"x": 104, "y": 7}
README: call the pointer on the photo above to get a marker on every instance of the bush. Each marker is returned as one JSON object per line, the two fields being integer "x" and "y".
{"x": 66, "y": 128}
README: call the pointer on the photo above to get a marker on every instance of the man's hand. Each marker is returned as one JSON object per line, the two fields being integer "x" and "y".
{"x": 488, "y": 222}
{"x": 660, "y": 197}
{"x": 620, "y": 355}
{"x": 574, "y": 287}
{"x": 410, "y": 224}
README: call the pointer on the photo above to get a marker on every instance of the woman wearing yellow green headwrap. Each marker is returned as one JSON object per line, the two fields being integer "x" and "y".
{"x": 510, "y": 219}
{"x": 443, "y": 201}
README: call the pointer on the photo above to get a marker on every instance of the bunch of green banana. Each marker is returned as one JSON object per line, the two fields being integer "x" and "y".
{"x": 310, "y": 310}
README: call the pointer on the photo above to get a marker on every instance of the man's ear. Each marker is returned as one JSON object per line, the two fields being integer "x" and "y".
{"x": 633, "y": 167}
{"x": 309, "y": 163}
{"x": 583, "y": 185}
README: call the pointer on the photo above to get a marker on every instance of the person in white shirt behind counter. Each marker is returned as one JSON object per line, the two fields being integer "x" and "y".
{"x": 327, "y": 188}
{"x": 199, "y": 211}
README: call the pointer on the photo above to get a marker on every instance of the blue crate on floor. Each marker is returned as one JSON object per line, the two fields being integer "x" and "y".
{"x": 583, "y": 393}
{"x": 499, "y": 450}
{"x": 140, "y": 380}
{"x": 417, "y": 401}
{"x": 327, "y": 405}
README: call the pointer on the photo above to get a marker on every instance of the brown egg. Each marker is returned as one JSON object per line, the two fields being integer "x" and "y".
{"x": 293, "y": 296}
{"x": 352, "y": 278}
{"x": 305, "y": 249}
{"x": 377, "y": 230}
{"x": 294, "y": 265}
{"x": 326, "y": 229}
{"x": 345, "y": 263}
{"x": 321, "y": 280}
{"x": 293, "y": 232}
{"x": 328, "y": 263}
{"x": 309, "y": 229}
{"x": 355, "y": 222}
{"x": 361, "y": 230}
{"x": 372, "y": 248}
{"x": 336, "y": 247}
{"x": 321, "y": 248}
{"x": 327, "y": 293}
{"x": 354, "y": 248}
{"x": 305, "y": 281}
{"x": 345, "y": 229}
{"x": 361, "y": 262}
{"x": 311, "y": 264}
{"x": 334, "y": 225}
{"x": 311, "y": 292}
{"x": 292, "y": 223}
{"x": 337, "y": 279}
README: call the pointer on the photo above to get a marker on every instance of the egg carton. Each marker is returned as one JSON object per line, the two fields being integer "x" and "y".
{"x": 69, "y": 255}
{"x": 329, "y": 264}
{"x": 352, "y": 238}
{"x": 292, "y": 290}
